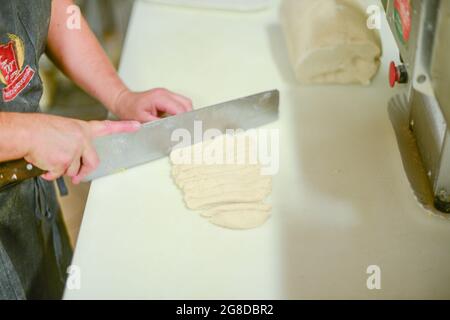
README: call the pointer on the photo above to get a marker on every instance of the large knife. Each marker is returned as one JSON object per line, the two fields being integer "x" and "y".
{"x": 153, "y": 140}
{"x": 13, "y": 172}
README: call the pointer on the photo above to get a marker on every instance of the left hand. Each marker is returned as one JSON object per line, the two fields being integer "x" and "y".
{"x": 149, "y": 105}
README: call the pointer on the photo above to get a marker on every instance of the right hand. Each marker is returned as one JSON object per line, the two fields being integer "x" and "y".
{"x": 63, "y": 146}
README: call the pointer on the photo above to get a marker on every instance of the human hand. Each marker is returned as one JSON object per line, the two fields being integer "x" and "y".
{"x": 149, "y": 105}
{"x": 63, "y": 146}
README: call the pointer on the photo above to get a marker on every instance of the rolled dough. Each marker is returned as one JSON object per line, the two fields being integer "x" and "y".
{"x": 329, "y": 41}
{"x": 229, "y": 195}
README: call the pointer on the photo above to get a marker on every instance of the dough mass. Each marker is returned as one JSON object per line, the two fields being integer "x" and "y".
{"x": 329, "y": 41}
{"x": 229, "y": 195}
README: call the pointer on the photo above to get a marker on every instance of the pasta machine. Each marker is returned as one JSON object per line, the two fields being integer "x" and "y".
{"x": 421, "y": 29}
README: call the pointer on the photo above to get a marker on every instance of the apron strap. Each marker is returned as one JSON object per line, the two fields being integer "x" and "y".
{"x": 48, "y": 220}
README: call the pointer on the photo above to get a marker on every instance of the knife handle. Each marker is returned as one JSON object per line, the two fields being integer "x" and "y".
{"x": 12, "y": 172}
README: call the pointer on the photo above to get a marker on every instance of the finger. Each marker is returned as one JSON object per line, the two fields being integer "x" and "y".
{"x": 147, "y": 117}
{"x": 52, "y": 175}
{"x": 89, "y": 161}
{"x": 179, "y": 95}
{"x": 186, "y": 102}
{"x": 104, "y": 128}
{"x": 74, "y": 168}
{"x": 170, "y": 106}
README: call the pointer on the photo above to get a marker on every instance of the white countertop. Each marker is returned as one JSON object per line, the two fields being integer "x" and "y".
{"x": 341, "y": 200}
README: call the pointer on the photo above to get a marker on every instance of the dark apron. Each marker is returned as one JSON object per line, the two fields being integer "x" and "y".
{"x": 34, "y": 247}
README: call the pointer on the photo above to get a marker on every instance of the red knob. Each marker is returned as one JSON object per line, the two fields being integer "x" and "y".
{"x": 397, "y": 74}
{"x": 393, "y": 74}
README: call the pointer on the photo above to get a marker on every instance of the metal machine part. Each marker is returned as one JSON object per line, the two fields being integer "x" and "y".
{"x": 422, "y": 32}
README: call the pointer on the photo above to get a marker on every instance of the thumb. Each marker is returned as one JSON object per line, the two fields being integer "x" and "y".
{"x": 104, "y": 128}
{"x": 147, "y": 117}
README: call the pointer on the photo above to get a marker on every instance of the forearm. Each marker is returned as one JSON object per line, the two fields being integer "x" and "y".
{"x": 79, "y": 55}
{"x": 14, "y": 135}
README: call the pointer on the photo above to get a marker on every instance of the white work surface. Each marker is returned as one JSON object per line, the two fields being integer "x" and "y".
{"x": 341, "y": 200}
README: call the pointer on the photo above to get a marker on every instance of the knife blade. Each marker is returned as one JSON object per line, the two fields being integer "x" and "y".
{"x": 153, "y": 140}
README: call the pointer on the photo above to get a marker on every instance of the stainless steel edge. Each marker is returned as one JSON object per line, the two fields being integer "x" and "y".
{"x": 154, "y": 140}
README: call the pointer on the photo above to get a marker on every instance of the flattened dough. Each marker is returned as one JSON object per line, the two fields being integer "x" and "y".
{"x": 239, "y": 219}
{"x": 227, "y": 180}
{"x": 239, "y": 196}
{"x": 261, "y": 207}
{"x": 229, "y": 195}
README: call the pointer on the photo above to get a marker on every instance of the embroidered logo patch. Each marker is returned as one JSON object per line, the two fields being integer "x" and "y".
{"x": 12, "y": 74}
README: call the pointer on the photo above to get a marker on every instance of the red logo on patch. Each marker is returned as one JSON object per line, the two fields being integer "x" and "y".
{"x": 12, "y": 75}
